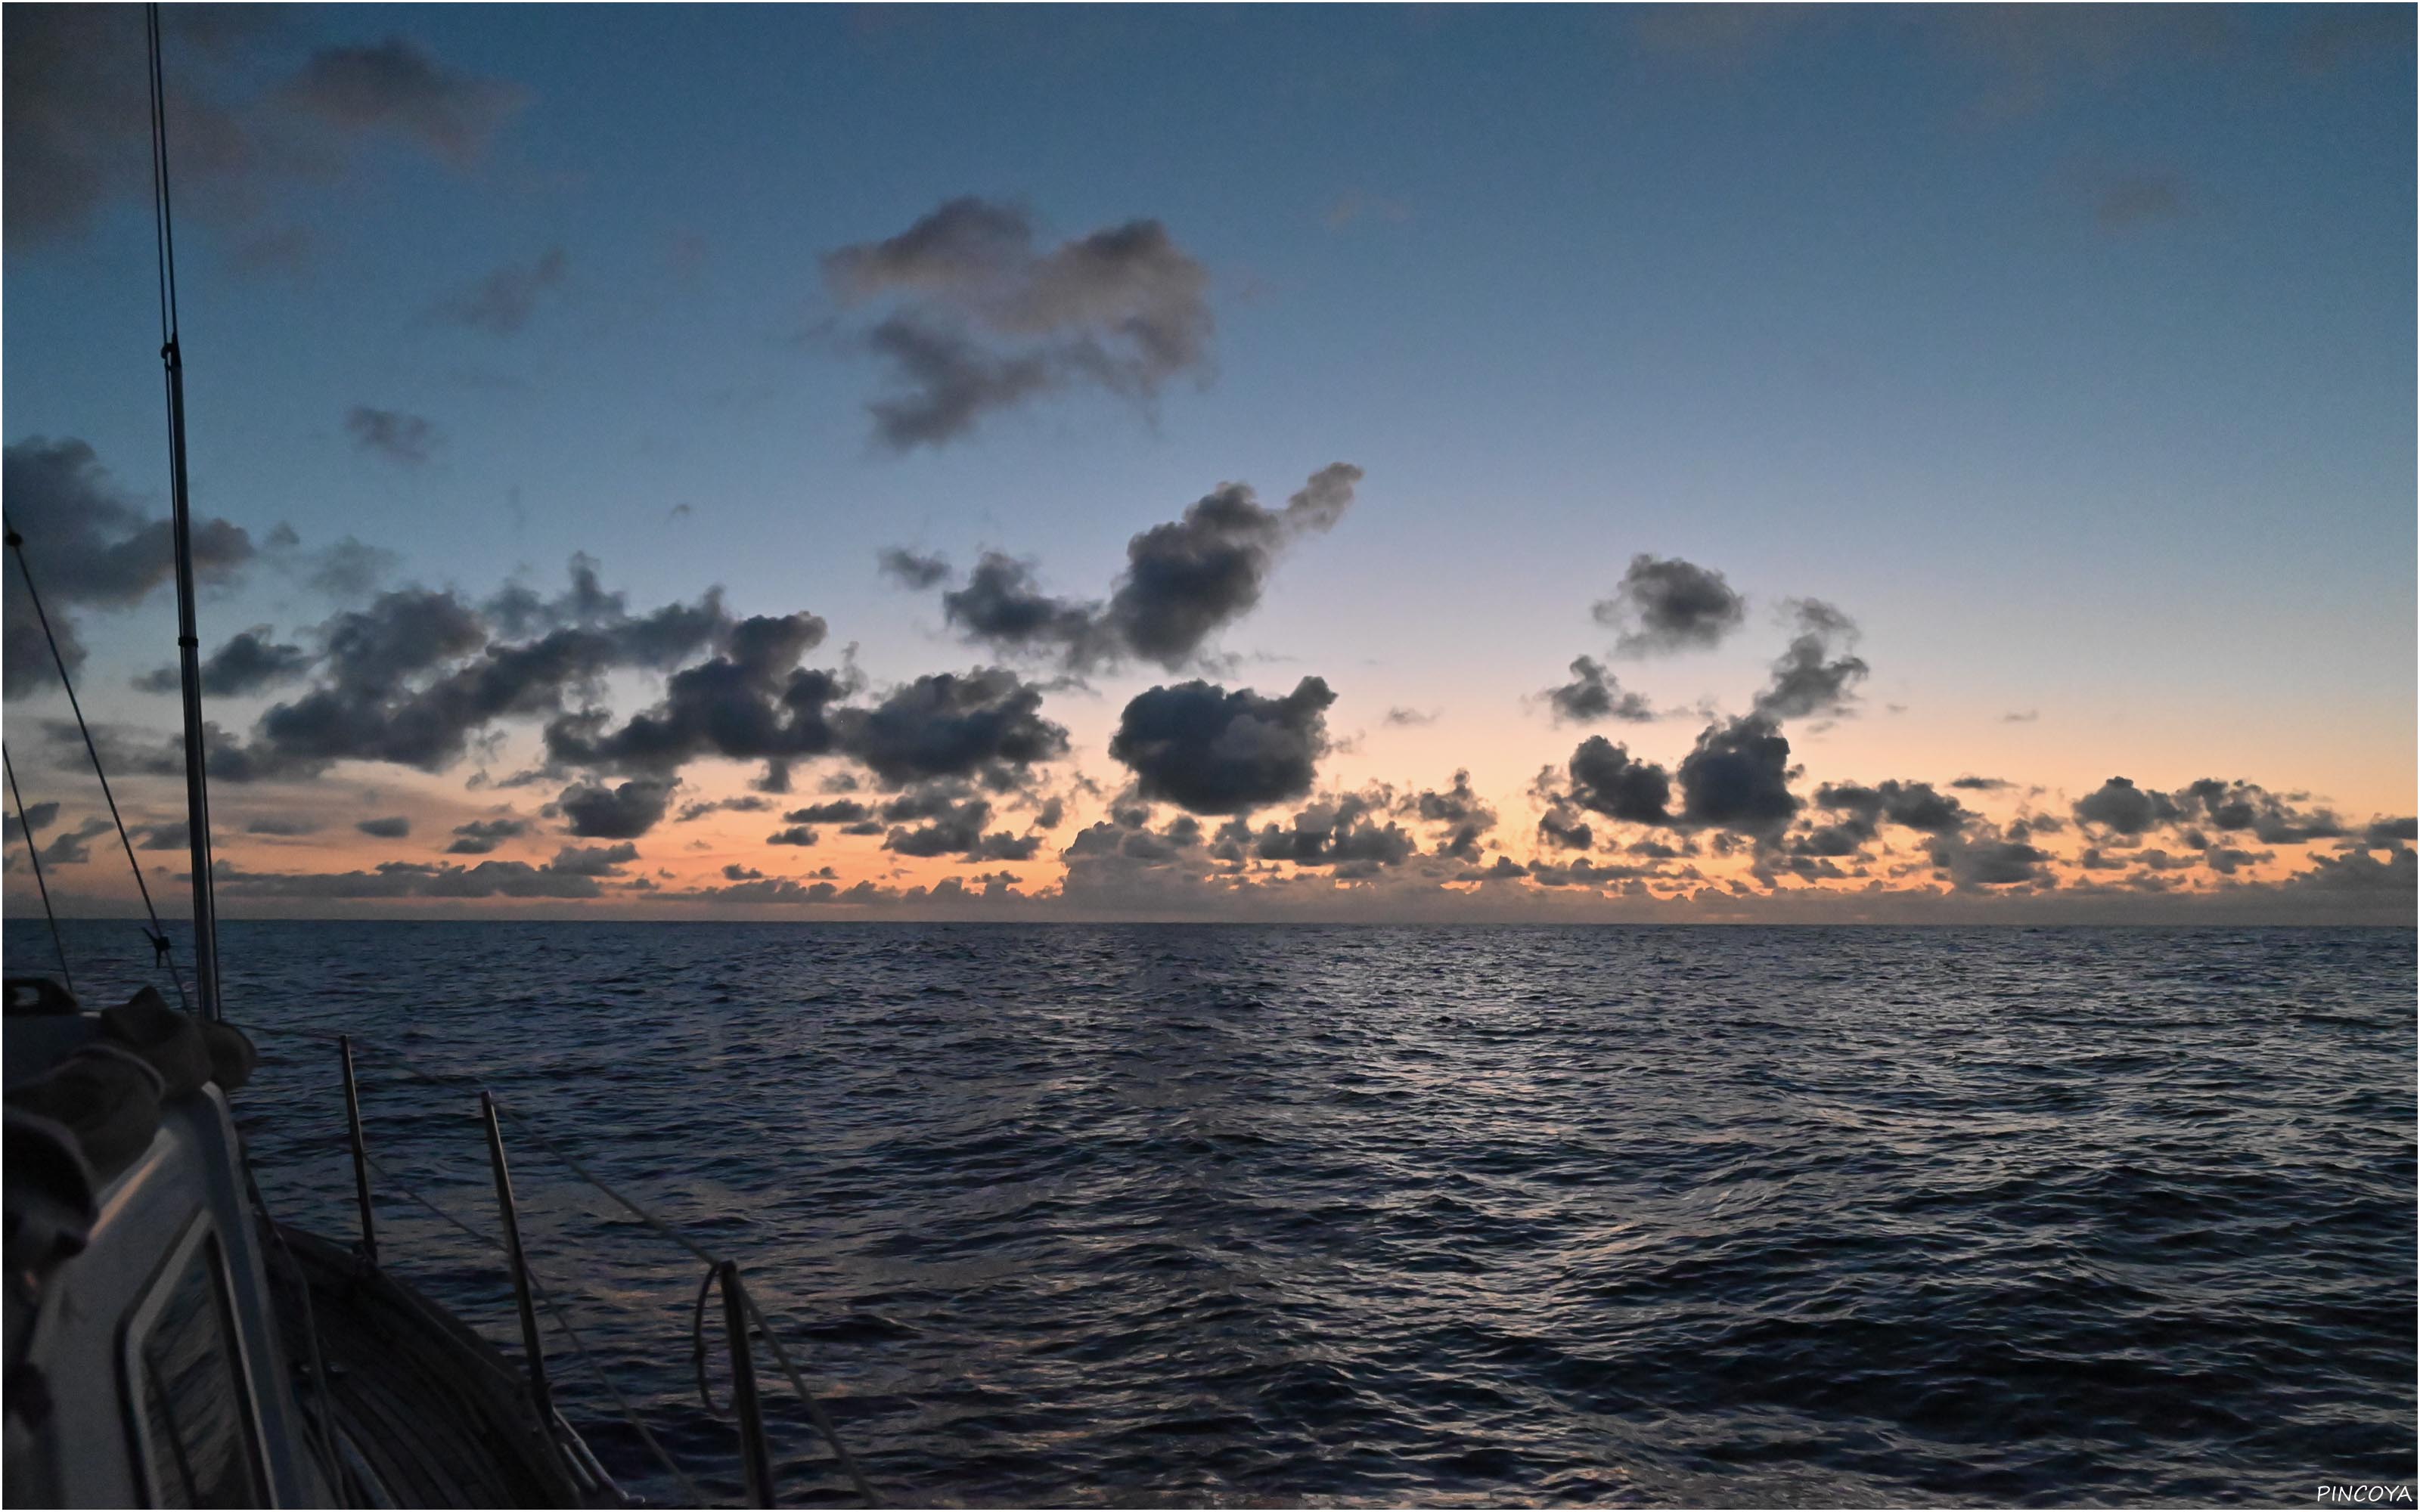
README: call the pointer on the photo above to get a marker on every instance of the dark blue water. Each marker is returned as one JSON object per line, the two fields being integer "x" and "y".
{"x": 1156, "y": 1216}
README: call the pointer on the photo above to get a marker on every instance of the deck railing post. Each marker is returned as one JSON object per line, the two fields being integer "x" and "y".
{"x": 360, "y": 1154}
{"x": 757, "y": 1460}
{"x": 539, "y": 1394}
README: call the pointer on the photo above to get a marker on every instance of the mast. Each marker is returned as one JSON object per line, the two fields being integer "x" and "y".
{"x": 189, "y": 657}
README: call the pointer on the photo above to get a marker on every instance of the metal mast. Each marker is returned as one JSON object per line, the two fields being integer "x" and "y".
{"x": 188, "y": 659}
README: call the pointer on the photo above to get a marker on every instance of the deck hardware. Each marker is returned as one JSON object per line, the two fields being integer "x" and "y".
{"x": 531, "y": 1347}
{"x": 361, "y": 1153}
{"x": 755, "y": 1458}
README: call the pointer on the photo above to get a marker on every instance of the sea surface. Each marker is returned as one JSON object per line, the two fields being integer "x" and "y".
{"x": 1161, "y": 1216}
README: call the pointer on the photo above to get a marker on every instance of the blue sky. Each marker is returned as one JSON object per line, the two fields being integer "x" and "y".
{"x": 2067, "y": 350}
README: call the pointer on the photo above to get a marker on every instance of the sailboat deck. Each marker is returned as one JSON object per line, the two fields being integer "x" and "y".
{"x": 434, "y": 1410}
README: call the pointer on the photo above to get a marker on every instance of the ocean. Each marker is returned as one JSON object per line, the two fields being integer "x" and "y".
{"x": 1150, "y": 1215}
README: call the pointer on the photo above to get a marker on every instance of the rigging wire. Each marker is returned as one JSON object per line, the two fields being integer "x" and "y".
{"x": 158, "y": 936}
{"x": 197, "y": 792}
{"x": 34, "y": 854}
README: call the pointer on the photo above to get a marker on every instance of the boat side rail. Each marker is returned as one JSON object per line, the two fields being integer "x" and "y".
{"x": 741, "y": 1313}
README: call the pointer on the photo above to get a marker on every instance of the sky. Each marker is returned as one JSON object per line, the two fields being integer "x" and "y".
{"x": 1674, "y": 463}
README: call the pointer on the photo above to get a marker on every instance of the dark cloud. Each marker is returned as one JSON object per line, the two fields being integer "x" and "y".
{"x": 1184, "y": 580}
{"x": 1559, "y": 829}
{"x": 411, "y": 679}
{"x": 1350, "y": 832}
{"x": 393, "y": 434}
{"x": 2234, "y": 807}
{"x": 1464, "y": 815}
{"x": 250, "y": 661}
{"x": 983, "y": 320}
{"x": 595, "y": 812}
{"x": 1664, "y": 604}
{"x": 2121, "y": 807}
{"x": 1981, "y": 784}
{"x": 1001, "y": 606}
{"x": 1594, "y": 694}
{"x": 174, "y": 834}
{"x": 1985, "y": 861}
{"x": 1911, "y": 805}
{"x": 748, "y": 803}
{"x": 392, "y": 827}
{"x": 1401, "y": 719}
{"x": 505, "y": 301}
{"x": 1737, "y": 778}
{"x": 38, "y": 814}
{"x": 911, "y": 570}
{"x": 1604, "y": 778}
{"x": 838, "y": 811}
{"x": 2384, "y": 832}
{"x": 282, "y": 826}
{"x": 243, "y": 122}
{"x": 1808, "y": 679}
{"x": 411, "y": 879}
{"x": 950, "y": 724}
{"x": 88, "y": 546}
{"x": 751, "y": 702}
{"x": 796, "y": 835}
{"x": 595, "y": 860}
{"x": 481, "y": 835}
{"x": 73, "y": 847}
{"x": 1217, "y": 752}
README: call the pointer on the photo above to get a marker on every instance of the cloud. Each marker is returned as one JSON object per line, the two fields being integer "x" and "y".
{"x": 247, "y": 662}
{"x": 397, "y": 436}
{"x": 411, "y": 879}
{"x": 1402, "y": 719}
{"x": 38, "y": 814}
{"x": 1982, "y": 784}
{"x": 746, "y": 803}
{"x": 1217, "y": 752}
{"x": 595, "y": 860}
{"x": 1464, "y": 815}
{"x": 796, "y": 835}
{"x": 89, "y": 548}
{"x": 1737, "y": 778}
{"x": 1667, "y": 605}
{"x": 751, "y": 703}
{"x": 911, "y": 570}
{"x": 838, "y": 811}
{"x": 1593, "y": 694}
{"x": 595, "y": 812}
{"x": 1808, "y": 679}
{"x": 396, "y": 87}
{"x": 1350, "y": 833}
{"x": 73, "y": 847}
{"x": 1911, "y": 805}
{"x": 983, "y": 321}
{"x": 2021, "y": 716}
{"x": 951, "y": 724}
{"x": 282, "y": 826}
{"x": 481, "y": 835}
{"x": 2118, "y": 807}
{"x": 242, "y": 121}
{"x": 505, "y": 301}
{"x": 174, "y": 834}
{"x": 393, "y": 826}
{"x": 1184, "y": 582}
{"x": 413, "y": 676}
{"x": 1606, "y": 780}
